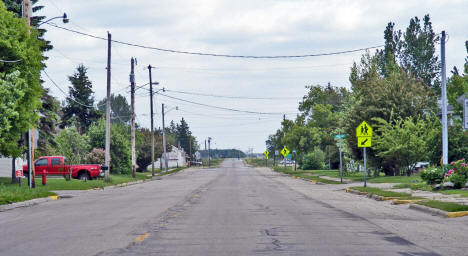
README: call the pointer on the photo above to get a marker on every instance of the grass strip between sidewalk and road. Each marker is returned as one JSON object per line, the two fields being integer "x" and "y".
{"x": 304, "y": 175}
{"x": 384, "y": 193}
{"x": 12, "y": 192}
{"x": 445, "y": 206}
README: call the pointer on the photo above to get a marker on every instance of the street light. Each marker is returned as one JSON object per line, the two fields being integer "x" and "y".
{"x": 64, "y": 18}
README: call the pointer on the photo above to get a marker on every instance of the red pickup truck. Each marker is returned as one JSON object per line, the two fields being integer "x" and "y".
{"x": 55, "y": 165}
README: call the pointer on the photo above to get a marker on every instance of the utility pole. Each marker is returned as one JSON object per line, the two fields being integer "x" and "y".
{"x": 164, "y": 141}
{"x": 152, "y": 122}
{"x": 132, "y": 90}
{"x": 108, "y": 106}
{"x": 31, "y": 171}
{"x": 444, "y": 102}
{"x": 209, "y": 151}
{"x": 205, "y": 146}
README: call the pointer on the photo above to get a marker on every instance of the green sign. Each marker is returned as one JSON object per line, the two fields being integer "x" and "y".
{"x": 337, "y": 136}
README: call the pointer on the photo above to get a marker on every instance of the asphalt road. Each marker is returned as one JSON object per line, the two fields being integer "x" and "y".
{"x": 233, "y": 210}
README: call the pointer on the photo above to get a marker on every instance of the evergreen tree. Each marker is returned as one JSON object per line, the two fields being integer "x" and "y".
{"x": 79, "y": 110}
{"x": 184, "y": 135}
{"x": 47, "y": 125}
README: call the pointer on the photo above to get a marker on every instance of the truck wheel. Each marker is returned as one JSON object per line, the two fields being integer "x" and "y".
{"x": 84, "y": 176}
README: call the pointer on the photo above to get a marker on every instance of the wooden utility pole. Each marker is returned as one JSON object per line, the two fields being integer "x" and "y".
{"x": 132, "y": 90}
{"x": 152, "y": 122}
{"x": 108, "y": 106}
{"x": 31, "y": 171}
{"x": 164, "y": 141}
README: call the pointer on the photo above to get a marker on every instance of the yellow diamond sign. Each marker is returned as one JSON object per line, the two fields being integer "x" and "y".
{"x": 285, "y": 151}
{"x": 364, "y": 130}
{"x": 266, "y": 153}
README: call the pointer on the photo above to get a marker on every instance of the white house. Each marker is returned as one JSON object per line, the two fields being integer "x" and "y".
{"x": 175, "y": 158}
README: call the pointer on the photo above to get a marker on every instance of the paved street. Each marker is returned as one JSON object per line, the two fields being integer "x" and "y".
{"x": 233, "y": 210}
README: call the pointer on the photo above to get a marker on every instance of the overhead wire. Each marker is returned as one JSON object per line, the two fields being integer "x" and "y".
{"x": 10, "y": 61}
{"x": 231, "y": 97}
{"x": 216, "y": 54}
{"x": 223, "y": 108}
{"x": 64, "y": 93}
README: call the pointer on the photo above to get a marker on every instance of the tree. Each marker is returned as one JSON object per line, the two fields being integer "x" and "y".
{"x": 49, "y": 107}
{"x": 414, "y": 50}
{"x": 79, "y": 104}
{"x": 72, "y": 145}
{"x": 374, "y": 96}
{"x": 120, "y": 145}
{"x": 48, "y": 125}
{"x": 143, "y": 147}
{"x": 404, "y": 142}
{"x": 184, "y": 135}
{"x": 15, "y": 6}
{"x": 418, "y": 53}
{"x": 120, "y": 110}
{"x": 20, "y": 102}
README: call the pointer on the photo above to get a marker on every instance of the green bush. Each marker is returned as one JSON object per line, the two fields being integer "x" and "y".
{"x": 120, "y": 145}
{"x": 314, "y": 160}
{"x": 432, "y": 175}
{"x": 458, "y": 174}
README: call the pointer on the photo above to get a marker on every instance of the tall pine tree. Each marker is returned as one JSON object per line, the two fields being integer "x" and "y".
{"x": 79, "y": 110}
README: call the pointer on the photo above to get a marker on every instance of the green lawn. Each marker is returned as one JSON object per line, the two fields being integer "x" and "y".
{"x": 446, "y": 206}
{"x": 463, "y": 193}
{"x": 380, "y": 192}
{"x": 10, "y": 193}
{"x": 359, "y": 176}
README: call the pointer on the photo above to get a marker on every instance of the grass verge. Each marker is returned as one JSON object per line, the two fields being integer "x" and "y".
{"x": 384, "y": 193}
{"x": 446, "y": 206}
{"x": 303, "y": 174}
{"x": 11, "y": 193}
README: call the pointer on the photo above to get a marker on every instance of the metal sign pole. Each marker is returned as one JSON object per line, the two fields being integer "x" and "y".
{"x": 341, "y": 165}
{"x": 365, "y": 168}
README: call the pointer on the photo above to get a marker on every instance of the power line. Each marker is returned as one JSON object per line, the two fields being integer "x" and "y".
{"x": 64, "y": 93}
{"x": 231, "y": 97}
{"x": 216, "y": 54}
{"x": 223, "y": 108}
{"x": 10, "y": 61}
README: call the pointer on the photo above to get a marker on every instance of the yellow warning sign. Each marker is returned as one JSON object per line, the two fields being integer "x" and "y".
{"x": 364, "y": 142}
{"x": 364, "y": 130}
{"x": 266, "y": 153}
{"x": 285, "y": 151}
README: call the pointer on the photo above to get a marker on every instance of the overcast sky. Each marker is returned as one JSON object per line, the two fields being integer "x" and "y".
{"x": 241, "y": 27}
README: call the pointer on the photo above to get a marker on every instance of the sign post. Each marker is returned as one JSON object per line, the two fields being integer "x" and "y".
{"x": 294, "y": 152}
{"x": 364, "y": 138}
{"x": 340, "y": 136}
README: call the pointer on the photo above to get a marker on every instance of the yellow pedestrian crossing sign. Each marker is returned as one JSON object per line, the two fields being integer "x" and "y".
{"x": 364, "y": 130}
{"x": 364, "y": 135}
{"x": 285, "y": 151}
{"x": 364, "y": 142}
{"x": 266, "y": 153}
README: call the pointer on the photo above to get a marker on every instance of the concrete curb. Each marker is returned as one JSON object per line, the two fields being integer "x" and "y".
{"x": 434, "y": 211}
{"x": 412, "y": 205}
{"x": 7, "y": 207}
{"x": 401, "y": 201}
{"x": 429, "y": 210}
